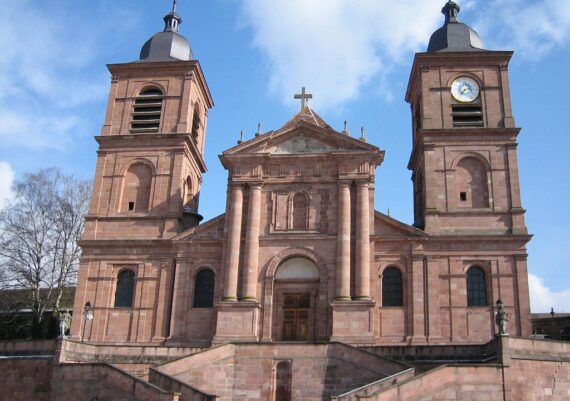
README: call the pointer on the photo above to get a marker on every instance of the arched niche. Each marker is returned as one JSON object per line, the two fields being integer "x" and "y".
{"x": 297, "y": 268}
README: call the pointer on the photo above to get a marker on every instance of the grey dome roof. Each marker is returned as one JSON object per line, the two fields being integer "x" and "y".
{"x": 454, "y": 36}
{"x": 168, "y": 45}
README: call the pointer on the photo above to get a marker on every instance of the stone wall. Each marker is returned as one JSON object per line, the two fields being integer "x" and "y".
{"x": 25, "y": 379}
{"x": 247, "y": 372}
{"x": 85, "y": 382}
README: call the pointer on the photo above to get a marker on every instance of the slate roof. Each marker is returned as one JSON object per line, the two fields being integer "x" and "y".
{"x": 454, "y": 36}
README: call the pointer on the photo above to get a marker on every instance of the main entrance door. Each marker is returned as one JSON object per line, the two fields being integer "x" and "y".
{"x": 296, "y": 310}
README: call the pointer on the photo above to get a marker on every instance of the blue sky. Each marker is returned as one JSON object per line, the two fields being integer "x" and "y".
{"x": 353, "y": 55}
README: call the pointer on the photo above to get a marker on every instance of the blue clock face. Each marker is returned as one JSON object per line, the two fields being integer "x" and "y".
{"x": 465, "y": 89}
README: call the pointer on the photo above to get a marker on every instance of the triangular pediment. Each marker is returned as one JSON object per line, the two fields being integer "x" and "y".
{"x": 301, "y": 137}
{"x": 390, "y": 228}
{"x": 211, "y": 230}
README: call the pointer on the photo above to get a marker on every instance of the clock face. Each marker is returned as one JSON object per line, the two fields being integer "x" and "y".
{"x": 465, "y": 89}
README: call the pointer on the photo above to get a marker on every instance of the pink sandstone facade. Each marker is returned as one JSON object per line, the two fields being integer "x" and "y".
{"x": 300, "y": 290}
{"x": 301, "y": 199}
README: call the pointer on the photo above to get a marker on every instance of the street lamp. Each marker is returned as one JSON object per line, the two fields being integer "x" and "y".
{"x": 87, "y": 315}
{"x": 552, "y": 323}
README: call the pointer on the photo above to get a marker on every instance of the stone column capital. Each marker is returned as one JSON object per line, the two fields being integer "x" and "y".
{"x": 362, "y": 183}
{"x": 236, "y": 185}
{"x": 344, "y": 183}
{"x": 257, "y": 185}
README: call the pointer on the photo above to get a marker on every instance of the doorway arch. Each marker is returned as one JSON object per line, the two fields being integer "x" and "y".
{"x": 295, "y": 283}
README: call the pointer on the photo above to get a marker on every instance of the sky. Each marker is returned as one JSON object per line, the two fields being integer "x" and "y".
{"x": 354, "y": 56}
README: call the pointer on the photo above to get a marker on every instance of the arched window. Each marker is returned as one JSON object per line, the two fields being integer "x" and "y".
{"x": 190, "y": 200}
{"x": 204, "y": 289}
{"x": 147, "y": 111}
{"x": 392, "y": 287}
{"x": 125, "y": 289}
{"x": 300, "y": 211}
{"x": 136, "y": 188}
{"x": 282, "y": 381}
{"x": 476, "y": 287}
{"x": 196, "y": 122}
{"x": 471, "y": 183}
{"x": 297, "y": 269}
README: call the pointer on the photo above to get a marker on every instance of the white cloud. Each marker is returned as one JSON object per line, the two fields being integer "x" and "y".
{"x": 533, "y": 28}
{"x": 6, "y": 178}
{"x": 22, "y": 127}
{"x": 44, "y": 73}
{"x": 336, "y": 47}
{"x": 543, "y": 298}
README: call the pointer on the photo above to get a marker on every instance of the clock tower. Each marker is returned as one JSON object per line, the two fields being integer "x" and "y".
{"x": 464, "y": 157}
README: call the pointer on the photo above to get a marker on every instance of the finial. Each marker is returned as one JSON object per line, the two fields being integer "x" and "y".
{"x": 363, "y": 136}
{"x": 240, "y": 138}
{"x": 451, "y": 11}
{"x": 304, "y": 97}
{"x": 258, "y": 129}
{"x": 172, "y": 20}
{"x": 388, "y": 212}
{"x": 345, "y": 130}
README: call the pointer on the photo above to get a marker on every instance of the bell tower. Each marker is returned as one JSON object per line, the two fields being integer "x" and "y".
{"x": 150, "y": 161}
{"x": 464, "y": 157}
{"x": 146, "y": 190}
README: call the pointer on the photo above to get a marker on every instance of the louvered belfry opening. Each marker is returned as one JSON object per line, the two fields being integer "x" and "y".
{"x": 467, "y": 114}
{"x": 147, "y": 111}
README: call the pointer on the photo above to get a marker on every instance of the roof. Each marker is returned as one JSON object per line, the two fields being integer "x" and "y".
{"x": 168, "y": 45}
{"x": 19, "y": 299}
{"x": 454, "y": 36}
{"x": 308, "y": 115}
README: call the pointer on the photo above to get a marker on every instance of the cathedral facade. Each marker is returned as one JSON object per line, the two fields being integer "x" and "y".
{"x": 300, "y": 290}
{"x": 300, "y": 254}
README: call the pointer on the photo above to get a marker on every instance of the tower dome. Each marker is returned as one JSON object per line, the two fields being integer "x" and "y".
{"x": 454, "y": 36}
{"x": 168, "y": 45}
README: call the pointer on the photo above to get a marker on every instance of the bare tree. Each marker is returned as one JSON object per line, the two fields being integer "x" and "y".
{"x": 39, "y": 230}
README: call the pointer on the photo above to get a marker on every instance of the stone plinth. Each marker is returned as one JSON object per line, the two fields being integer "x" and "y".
{"x": 237, "y": 322}
{"x": 353, "y": 322}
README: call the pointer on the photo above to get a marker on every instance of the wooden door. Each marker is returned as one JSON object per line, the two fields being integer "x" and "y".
{"x": 296, "y": 312}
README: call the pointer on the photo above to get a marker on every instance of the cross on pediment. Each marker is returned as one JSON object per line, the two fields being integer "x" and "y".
{"x": 304, "y": 97}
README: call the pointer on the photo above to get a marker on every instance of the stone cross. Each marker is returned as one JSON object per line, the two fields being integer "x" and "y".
{"x": 304, "y": 97}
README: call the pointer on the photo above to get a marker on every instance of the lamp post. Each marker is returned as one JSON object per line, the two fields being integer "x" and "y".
{"x": 87, "y": 315}
{"x": 552, "y": 324}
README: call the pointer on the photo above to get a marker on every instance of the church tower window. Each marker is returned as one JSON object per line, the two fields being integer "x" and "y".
{"x": 147, "y": 111}
{"x": 476, "y": 287}
{"x": 196, "y": 123}
{"x": 300, "y": 211}
{"x": 136, "y": 188}
{"x": 204, "y": 289}
{"x": 125, "y": 289}
{"x": 472, "y": 190}
{"x": 467, "y": 115}
{"x": 392, "y": 294}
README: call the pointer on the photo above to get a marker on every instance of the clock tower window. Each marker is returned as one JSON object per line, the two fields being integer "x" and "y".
{"x": 467, "y": 114}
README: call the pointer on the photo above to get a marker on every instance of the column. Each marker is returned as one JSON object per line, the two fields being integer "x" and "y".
{"x": 343, "y": 243}
{"x": 234, "y": 237}
{"x": 522, "y": 301}
{"x": 179, "y": 300}
{"x": 252, "y": 243}
{"x": 418, "y": 313}
{"x": 362, "y": 241}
